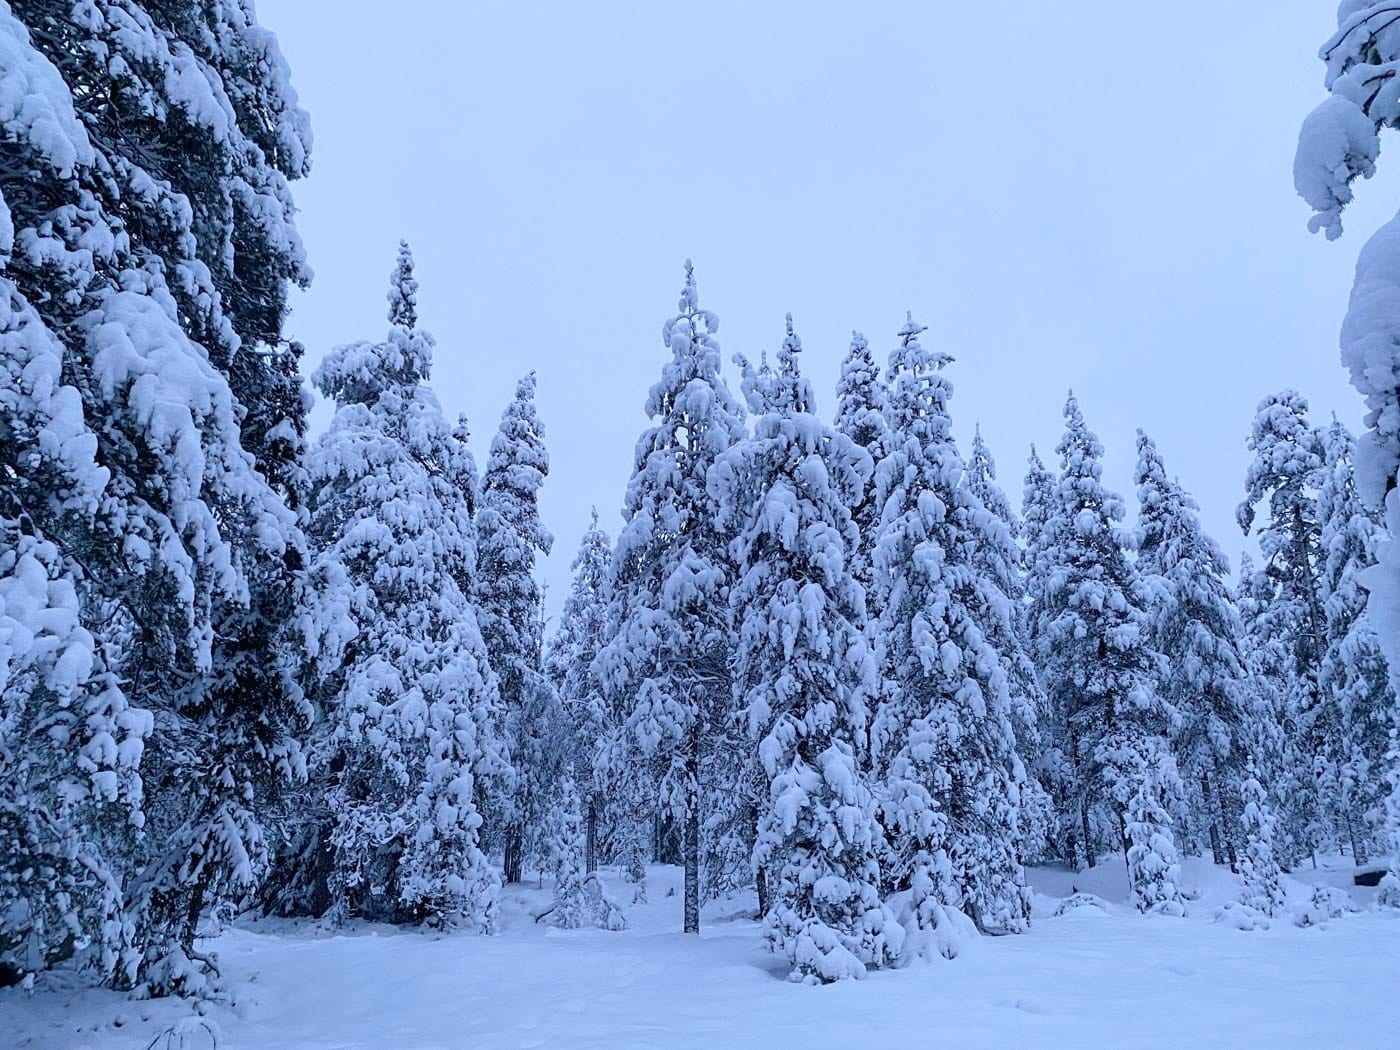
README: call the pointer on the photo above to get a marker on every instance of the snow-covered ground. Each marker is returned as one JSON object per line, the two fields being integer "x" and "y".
{"x": 1091, "y": 977}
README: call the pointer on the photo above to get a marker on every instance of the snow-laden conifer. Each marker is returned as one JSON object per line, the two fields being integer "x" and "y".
{"x": 860, "y": 415}
{"x": 1260, "y": 878}
{"x": 180, "y": 550}
{"x": 581, "y": 634}
{"x": 510, "y": 536}
{"x": 566, "y": 857}
{"x": 1339, "y": 142}
{"x": 1282, "y": 479}
{"x": 1359, "y": 703}
{"x": 1002, "y": 561}
{"x": 409, "y": 700}
{"x": 803, "y": 677}
{"x": 1053, "y": 766}
{"x": 942, "y": 738}
{"x": 1100, "y": 672}
{"x": 668, "y": 655}
{"x": 1196, "y": 628}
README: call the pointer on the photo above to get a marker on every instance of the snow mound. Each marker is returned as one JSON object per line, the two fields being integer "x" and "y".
{"x": 1326, "y": 902}
{"x": 1076, "y": 901}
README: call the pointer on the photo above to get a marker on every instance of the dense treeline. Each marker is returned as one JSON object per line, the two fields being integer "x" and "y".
{"x": 823, "y": 660}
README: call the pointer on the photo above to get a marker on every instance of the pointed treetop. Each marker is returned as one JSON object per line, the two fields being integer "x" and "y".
{"x": 981, "y": 458}
{"x": 919, "y": 389}
{"x": 1156, "y": 495}
{"x": 791, "y": 390}
{"x": 690, "y": 297}
{"x": 860, "y": 396}
{"x": 403, "y": 290}
{"x": 1149, "y": 466}
{"x": 787, "y": 353}
{"x": 593, "y": 519}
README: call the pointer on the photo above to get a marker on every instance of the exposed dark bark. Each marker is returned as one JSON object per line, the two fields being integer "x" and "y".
{"x": 1217, "y": 847}
{"x": 1358, "y": 844}
{"x": 1227, "y": 824}
{"x": 692, "y": 832}
{"x": 590, "y": 848}
{"x": 514, "y": 853}
{"x": 1088, "y": 835}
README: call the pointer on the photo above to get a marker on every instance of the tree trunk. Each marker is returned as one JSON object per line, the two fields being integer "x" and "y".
{"x": 1358, "y": 847}
{"x": 190, "y": 926}
{"x": 1217, "y": 849}
{"x": 1226, "y": 824}
{"x": 761, "y": 884}
{"x": 514, "y": 853}
{"x": 1088, "y": 838}
{"x": 590, "y": 848}
{"x": 692, "y": 832}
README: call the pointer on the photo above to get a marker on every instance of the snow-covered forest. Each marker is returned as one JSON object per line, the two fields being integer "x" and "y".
{"x": 837, "y": 694}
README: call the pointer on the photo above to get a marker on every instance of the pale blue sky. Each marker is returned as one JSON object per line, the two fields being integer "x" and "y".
{"x": 1084, "y": 195}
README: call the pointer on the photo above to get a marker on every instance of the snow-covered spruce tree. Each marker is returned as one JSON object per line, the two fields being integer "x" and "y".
{"x": 569, "y": 663}
{"x": 1196, "y": 628}
{"x": 803, "y": 675}
{"x": 409, "y": 699}
{"x": 1270, "y": 684}
{"x": 668, "y": 655}
{"x": 70, "y": 743}
{"x": 942, "y": 738}
{"x": 1358, "y": 700}
{"x": 110, "y": 254}
{"x": 1282, "y": 476}
{"x": 1261, "y": 881}
{"x": 1100, "y": 673}
{"x": 508, "y": 600}
{"x": 1002, "y": 562}
{"x": 566, "y": 858}
{"x": 860, "y": 415}
{"x": 1389, "y": 896}
{"x": 1052, "y": 767}
{"x": 1339, "y": 142}
{"x": 69, "y": 740}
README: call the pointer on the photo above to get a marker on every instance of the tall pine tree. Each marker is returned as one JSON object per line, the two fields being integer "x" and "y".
{"x": 155, "y": 139}
{"x": 803, "y": 677}
{"x": 668, "y": 654}
{"x": 1359, "y": 702}
{"x": 1101, "y": 674}
{"x": 409, "y": 701}
{"x": 1196, "y": 629}
{"x": 569, "y": 663}
{"x": 1282, "y": 477}
{"x": 510, "y": 537}
{"x": 942, "y": 738}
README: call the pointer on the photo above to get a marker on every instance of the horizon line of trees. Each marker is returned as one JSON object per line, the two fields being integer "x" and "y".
{"x": 824, "y": 660}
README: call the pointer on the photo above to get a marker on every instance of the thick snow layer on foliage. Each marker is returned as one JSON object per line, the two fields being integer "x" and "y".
{"x": 1094, "y": 976}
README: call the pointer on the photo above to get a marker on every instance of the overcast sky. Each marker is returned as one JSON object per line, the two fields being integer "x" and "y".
{"x": 1083, "y": 194}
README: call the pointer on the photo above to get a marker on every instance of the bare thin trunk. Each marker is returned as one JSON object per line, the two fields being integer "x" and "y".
{"x": 590, "y": 848}
{"x": 692, "y": 833}
{"x": 1358, "y": 847}
{"x": 1088, "y": 839}
{"x": 1217, "y": 849}
{"x": 514, "y": 853}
